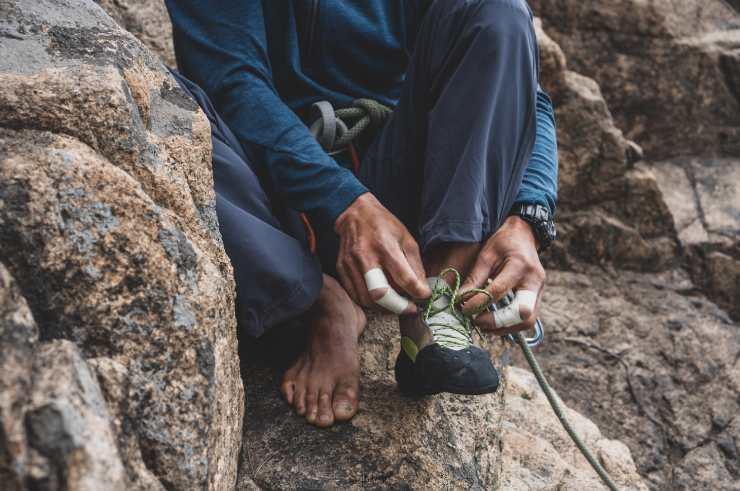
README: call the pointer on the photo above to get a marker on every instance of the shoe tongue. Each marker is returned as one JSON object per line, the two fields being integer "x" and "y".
{"x": 443, "y": 301}
{"x": 441, "y": 324}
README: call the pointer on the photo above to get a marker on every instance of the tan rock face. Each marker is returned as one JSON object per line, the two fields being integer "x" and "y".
{"x": 54, "y": 420}
{"x": 610, "y": 210}
{"x": 704, "y": 198}
{"x": 670, "y": 71}
{"x": 537, "y": 453}
{"x": 652, "y": 367}
{"x": 107, "y": 222}
{"x": 507, "y": 440}
{"x": 147, "y": 20}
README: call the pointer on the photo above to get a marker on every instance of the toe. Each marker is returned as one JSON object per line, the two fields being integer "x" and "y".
{"x": 326, "y": 415}
{"x": 299, "y": 399}
{"x": 288, "y": 390}
{"x": 345, "y": 401}
{"x": 312, "y": 405}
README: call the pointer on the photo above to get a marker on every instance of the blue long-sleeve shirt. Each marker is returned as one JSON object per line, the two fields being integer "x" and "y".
{"x": 261, "y": 61}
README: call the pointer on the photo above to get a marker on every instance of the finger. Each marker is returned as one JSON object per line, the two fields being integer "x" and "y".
{"x": 413, "y": 256}
{"x": 481, "y": 270}
{"x": 397, "y": 265}
{"x": 358, "y": 267}
{"x": 384, "y": 295}
{"x": 506, "y": 280}
{"x": 518, "y": 315}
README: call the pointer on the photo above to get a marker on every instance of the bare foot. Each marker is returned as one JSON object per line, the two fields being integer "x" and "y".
{"x": 323, "y": 382}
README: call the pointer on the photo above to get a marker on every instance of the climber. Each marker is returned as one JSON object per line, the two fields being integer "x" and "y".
{"x": 461, "y": 171}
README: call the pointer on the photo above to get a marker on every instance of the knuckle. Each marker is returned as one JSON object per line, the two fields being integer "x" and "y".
{"x": 528, "y": 319}
{"x": 486, "y": 257}
{"x": 497, "y": 290}
{"x": 407, "y": 280}
{"x": 357, "y": 249}
{"x": 377, "y": 294}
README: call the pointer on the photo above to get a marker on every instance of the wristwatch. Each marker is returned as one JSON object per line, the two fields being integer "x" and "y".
{"x": 541, "y": 221}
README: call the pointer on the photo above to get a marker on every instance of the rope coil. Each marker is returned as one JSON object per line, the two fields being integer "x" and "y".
{"x": 336, "y": 129}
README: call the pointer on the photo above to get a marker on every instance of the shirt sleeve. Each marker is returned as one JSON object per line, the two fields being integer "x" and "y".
{"x": 540, "y": 183}
{"x": 222, "y": 46}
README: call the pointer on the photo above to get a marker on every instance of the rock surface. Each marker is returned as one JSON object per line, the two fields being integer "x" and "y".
{"x": 704, "y": 198}
{"x": 610, "y": 208}
{"x": 54, "y": 420}
{"x": 107, "y": 222}
{"x": 108, "y": 226}
{"x": 670, "y": 70}
{"x": 147, "y": 20}
{"x": 655, "y": 365}
{"x": 507, "y": 440}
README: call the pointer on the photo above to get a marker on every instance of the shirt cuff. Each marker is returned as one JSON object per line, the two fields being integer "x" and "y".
{"x": 349, "y": 189}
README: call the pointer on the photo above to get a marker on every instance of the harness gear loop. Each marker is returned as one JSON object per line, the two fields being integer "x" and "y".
{"x": 336, "y": 129}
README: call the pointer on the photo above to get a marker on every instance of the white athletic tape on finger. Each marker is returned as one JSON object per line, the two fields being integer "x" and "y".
{"x": 374, "y": 279}
{"x": 511, "y": 314}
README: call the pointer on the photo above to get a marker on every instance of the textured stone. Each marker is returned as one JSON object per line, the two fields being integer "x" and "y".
{"x": 54, "y": 422}
{"x": 107, "y": 221}
{"x": 148, "y": 20}
{"x": 704, "y": 199}
{"x": 537, "y": 453}
{"x": 670, "y": 71}
{"x": 652, "y": 366}
{"x": 18, "y": 340}
{"x": 507, "y": 440}
{"x": 610, "y": 209}
{"x": 112, "y": 271}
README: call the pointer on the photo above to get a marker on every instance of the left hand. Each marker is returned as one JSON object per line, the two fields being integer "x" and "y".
{"x": 509, "y": 259}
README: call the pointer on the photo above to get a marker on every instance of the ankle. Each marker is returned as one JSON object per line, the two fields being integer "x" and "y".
{"x": 451, "y": 255}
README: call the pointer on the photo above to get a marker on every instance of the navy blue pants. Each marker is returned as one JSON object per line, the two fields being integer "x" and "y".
{"x": 448, "y": 162}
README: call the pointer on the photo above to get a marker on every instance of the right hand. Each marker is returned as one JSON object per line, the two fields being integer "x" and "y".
{"x": 371, "y": 237}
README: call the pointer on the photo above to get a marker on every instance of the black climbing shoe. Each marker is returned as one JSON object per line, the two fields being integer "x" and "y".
{"x": 437, "y": 350}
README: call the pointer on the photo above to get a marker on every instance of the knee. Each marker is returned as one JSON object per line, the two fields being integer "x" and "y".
{"x": 497, "y": 20}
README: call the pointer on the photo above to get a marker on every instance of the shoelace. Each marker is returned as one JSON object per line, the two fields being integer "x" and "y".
{"x": 459, "y": 335}
{"x": 451, "y": 327}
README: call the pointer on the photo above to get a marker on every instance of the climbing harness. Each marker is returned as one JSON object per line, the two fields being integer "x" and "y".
{"x": 526, "y": 344}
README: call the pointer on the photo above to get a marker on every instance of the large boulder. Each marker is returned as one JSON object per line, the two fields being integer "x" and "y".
{"x": 55, "y": 428}
{"x": 507, "y": 440}
{"x": 107, "y": 222}
{"x": 147, "y": 20}
{"x": 610, "y": 209}
{"x": 704, "y": 199}
{"x": 670, "y": 71}
{"x": 655, "y": 365}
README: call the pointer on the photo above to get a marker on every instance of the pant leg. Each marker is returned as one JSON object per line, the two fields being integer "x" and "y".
{"x": 277, "y": 278}
{"x": 450, "y": 160}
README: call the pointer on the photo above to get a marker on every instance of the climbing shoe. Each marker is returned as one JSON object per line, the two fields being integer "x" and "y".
{"x": 437, "y": 349}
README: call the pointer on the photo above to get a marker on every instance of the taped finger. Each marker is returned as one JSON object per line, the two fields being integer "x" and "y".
{"x": 375, "y": 279}
{"x": 511, "y": 315}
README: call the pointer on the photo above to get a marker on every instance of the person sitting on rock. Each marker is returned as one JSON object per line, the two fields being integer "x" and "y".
{"x": 361, "y": 147}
